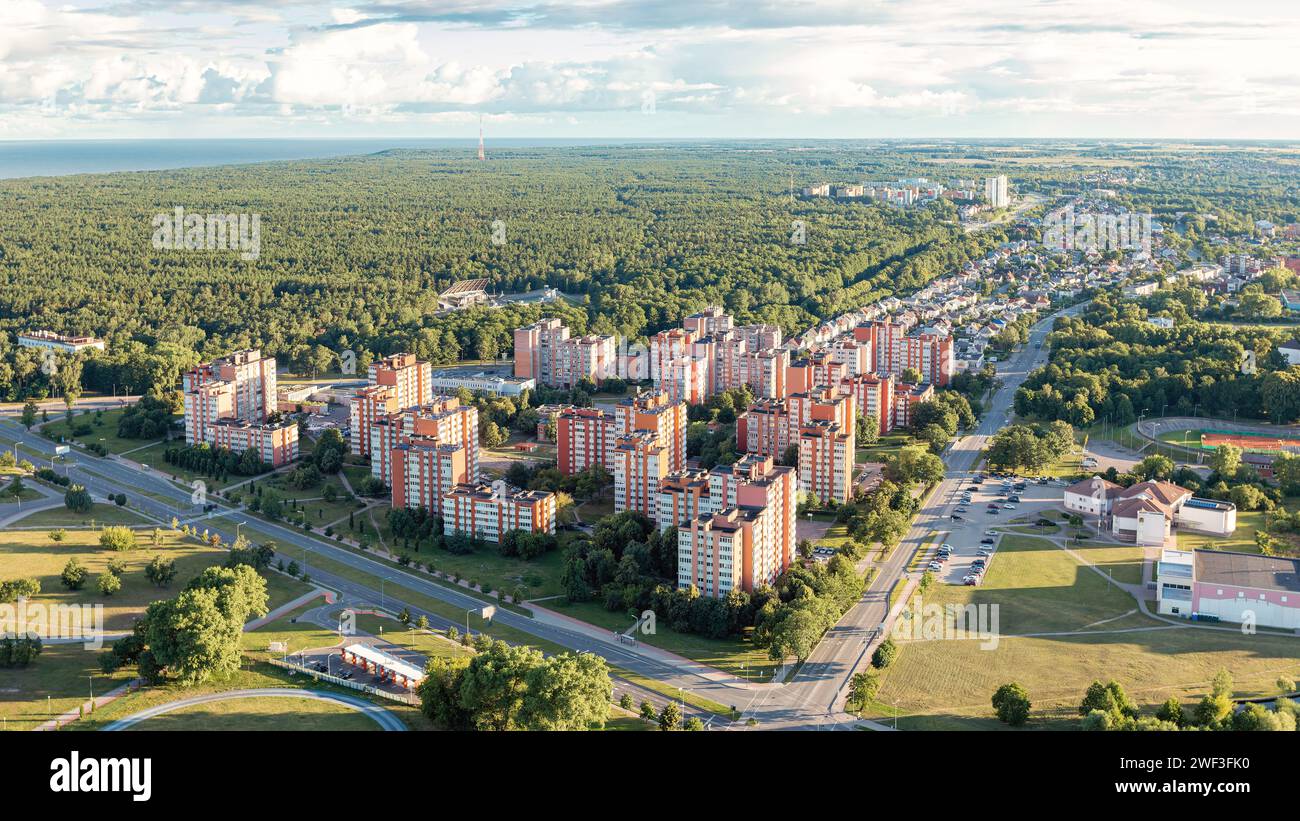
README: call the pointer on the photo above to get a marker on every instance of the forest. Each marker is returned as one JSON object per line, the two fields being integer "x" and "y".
{"x": 354, "y": 252}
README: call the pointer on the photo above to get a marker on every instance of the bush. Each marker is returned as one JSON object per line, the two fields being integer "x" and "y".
{"x": 117, "y": 537}
{"x": 1011, "y": 703}
{"x": 885, "y": 654}
{"x": 108, "y": 584}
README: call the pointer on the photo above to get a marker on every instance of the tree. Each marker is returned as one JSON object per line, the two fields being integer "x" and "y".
{"x": 1172, "y": 711}
{"x": 885, "y": 654}
{"x": 569, "y": 691}
{"x": 935, "y": 437}
{"x": 693, "y": 724}
{"x": 117, "y": 537}
{"x": 1226, "y": 460}
{"x": 1155, "y": 466}
{"x": 160, "y": 571}
{"x": 868, "y": 429}
{"x": 29, "y": 414}
{"x": 648, "y": 712}
{"x": 670, "y": 716}
{"x": 108, "y": 583}
{"x": 74, "y": 575}
{"x": 1109, "y": 698}
{"x": 914, "y": 464}
{"x": 1011, "y": 703}
{"x": 795, "y": 635}
{"x": 77, "y": 499}
{"x": 863, "y": 688}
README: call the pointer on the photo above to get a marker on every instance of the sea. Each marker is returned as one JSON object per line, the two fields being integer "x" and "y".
{"x": 53, "y": 158}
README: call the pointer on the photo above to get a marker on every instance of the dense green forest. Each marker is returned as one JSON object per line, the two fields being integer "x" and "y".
{"x": 354, "y": 252}
{"x": 1110, "y": 364}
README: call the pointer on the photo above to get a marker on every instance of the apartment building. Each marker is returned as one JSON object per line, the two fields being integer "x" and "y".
{"x": 764, "y": 428}
{"x": 424, "y": 470}
{"x": 826, "y": 433}
{"x": 536, "y": 348}
{"x": 741, "y": 534}
{"x": 488, "y": 511}
{"x": 228, "y": 402}
{"x": 245, "y": 382}
{"x": 873, "y": 395}
{"x": 683, "y": 495}
{"x": 366, "y": 407}
{"x": 657, "y": 413}
{"x": 641, "y": 461}
{"x": 545, "y": 353}
{"x": 906, "y": 397}
{"x": 996, "y": 191}
{"x": 410, "y": 378}
{"x": 584, "y": 437}
{"x": 445, "y": 421}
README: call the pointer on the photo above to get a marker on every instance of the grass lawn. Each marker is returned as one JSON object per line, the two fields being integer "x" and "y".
{"x": 152, "y": 456}
{"x": 888, "y": 445}
{"x": 1039, "y": 588}
{"x": 56, "y": 681}
{"x": 725, "y": 654}
{"x": 261, "y": 713}
{"x": 100, "y": 514}
{"x": 836, "y": 536}
{"x": 103, "y": 431}
{"x": 31, "y": 554}
{"x": 25, "y": 495}
{"x": 276, "y": 714}
{"x": 1122, "y": 562}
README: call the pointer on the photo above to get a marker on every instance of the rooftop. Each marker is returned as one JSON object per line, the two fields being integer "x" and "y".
{"x": 1248, "y": 570}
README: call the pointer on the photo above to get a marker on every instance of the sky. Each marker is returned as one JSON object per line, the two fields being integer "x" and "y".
{"x": 99, "y": 69}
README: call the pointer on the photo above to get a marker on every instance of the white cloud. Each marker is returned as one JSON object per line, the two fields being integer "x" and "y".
{"x": 840, "y": 68}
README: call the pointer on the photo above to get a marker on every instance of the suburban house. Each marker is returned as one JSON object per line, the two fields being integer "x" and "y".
{"x": 1147, "y": 512}
{"x": 1236, "y": 587}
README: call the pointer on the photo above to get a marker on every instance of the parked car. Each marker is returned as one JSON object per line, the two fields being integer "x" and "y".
{"x": 1008, "y": 507}
{"x": 970, "y": 581}
{"x": 956, "y": 517}
{"x": 990, "y": 533}
{"x": 984, "y": 554}
{"x": 987, "y": 540}
{"x": 935, "y": 566}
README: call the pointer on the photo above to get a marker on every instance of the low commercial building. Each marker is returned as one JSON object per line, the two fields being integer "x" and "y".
{"x": 1148, "y": 512}
{"x": 1244, "y": 588}
{"x": 448, "y": 382}
{"x": 59, "y": 342}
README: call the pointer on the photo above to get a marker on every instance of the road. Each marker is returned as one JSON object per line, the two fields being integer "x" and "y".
{"x": 384, "y": 718}
{"x": 821, "y": 686}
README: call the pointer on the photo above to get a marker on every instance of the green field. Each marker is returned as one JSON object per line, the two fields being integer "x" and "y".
{"x": 31, "y": 554}
{"x": 103, "y": 431}
{"x": 1039, "y": 588}
{"x": 61, "y": 678}
{"x": 264, "y": 713}
{"x": 727, "y": 655}
{"x": 100, "y": 514}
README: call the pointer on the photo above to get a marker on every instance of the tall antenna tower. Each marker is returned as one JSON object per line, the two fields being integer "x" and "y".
{"x": 481, "y": 154}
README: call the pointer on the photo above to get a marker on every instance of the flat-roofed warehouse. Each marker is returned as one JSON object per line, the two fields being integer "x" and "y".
{"x": 1245, "y": 588}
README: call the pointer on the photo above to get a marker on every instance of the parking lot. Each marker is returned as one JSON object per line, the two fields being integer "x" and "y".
{"x": 992, "y": 507}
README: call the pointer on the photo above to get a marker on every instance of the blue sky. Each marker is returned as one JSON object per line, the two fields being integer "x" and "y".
{"x": 656, "y": 68}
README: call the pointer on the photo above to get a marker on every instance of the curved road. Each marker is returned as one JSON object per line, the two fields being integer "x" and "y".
{"x": 384, "y": 718}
